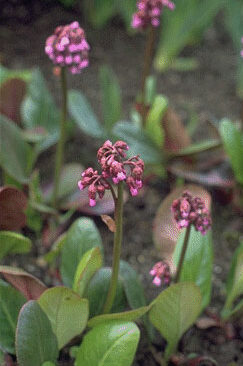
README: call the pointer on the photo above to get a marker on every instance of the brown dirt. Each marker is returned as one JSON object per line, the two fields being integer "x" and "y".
{"x": 210, "y": 90}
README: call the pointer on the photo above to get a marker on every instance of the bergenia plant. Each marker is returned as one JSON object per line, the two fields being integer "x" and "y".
{"x": 119, "y": 170}
{"x": 68, "y": 49}
{"x": 99, "y": 295}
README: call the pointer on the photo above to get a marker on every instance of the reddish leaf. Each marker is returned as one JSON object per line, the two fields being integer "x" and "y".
{"x": 110, "y": 223}
{"x": 12, "y": 93}
{"x": 27, "y": 284}
{"x": 165, "y": 229}
{"x": 216, "y": 177}
{"x": 176, "y": 135}
{"x": 200, "y": 361}
{"x": 12, "y": 205}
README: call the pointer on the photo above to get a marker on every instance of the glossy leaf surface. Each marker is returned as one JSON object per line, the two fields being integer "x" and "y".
{"x": 198, "y": 262}
{"x": 112, "y": 344}
{"x": 11, "y": 301}
{"x": 13, "y": 243}
{"x": 67, "y": 312}
{"x": 88, "y": 265}
{"x": 82, "y": 236}
{"x": 35, "y": 340}
{"x": 174, "y": 311}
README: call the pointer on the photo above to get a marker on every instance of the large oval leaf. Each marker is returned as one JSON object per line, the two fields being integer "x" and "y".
{"x": 39, "y": 110}
{"x": 35, "y": 340}
{"x": 11, "y": 301}
{"x": 89, "y": 264}
{"x": 111, "y": 97}
{"x": 97, "y": 291}
{"x": 15, "y": 153}
{"x": 83, "y": 115}
{"x": 112, "y": 344}
{"x": 27, "y": 284}
{"x": 12, "y": 205}
{"x": 174, "y": 311}
{"x": 67, "y": 312}
{"x": 233, "y": 145}
{"x": 198, "y": 262}
{"x": 13, "y": 243}
{"x": 81, "y": 237}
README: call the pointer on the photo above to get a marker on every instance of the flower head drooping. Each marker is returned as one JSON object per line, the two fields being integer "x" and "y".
{"x": 149, "y": 12}
{"x": 161, "y": 273}
{"x": 114, "y": 165}
{"x": 68, "y": 47}
{"x": 191, "y": 210}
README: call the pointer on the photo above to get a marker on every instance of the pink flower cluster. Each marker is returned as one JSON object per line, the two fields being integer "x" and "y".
{"x": 149, "y": 12}
{"x": 161, "y": 273}
{"x": 68, "y": 47}
{"x": 191, "y": 210}
{"x": 112, "y": 159}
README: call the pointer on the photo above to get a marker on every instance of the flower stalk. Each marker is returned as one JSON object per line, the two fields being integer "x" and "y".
{"x": 183, "y": 253}
{"x": 61, "y": 142}
{"x": 148, "y": 58}
{"x": 116, "y": 249}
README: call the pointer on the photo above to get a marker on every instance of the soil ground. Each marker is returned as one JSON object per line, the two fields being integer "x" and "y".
{"x": 209, "y": 90}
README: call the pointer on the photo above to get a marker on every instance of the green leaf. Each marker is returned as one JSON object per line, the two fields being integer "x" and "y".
{"x": 138, "y": 142}
{"x": 198, "y": 262}
{"x": 134, "y": 291}
{"x": 130, "y": 315}
{"x": 233, "y": 13}
{"x": 56, "y": 248}
{"x": 48, "y": 363}
{"x": 174, "y": 311}
{"x": 67, "y": 312}
{"x": 82, "y": 236}
{"x": 70, "y": 175}
{"x": 99, "y": 12}
{"x": 154, "y": 120}
{"x": 132, "y": 285}
{"x": 39, "y": 110}
{"x": 150, "y": 90}
{"x": 111, "y": 97}
{"x": 233, "y": 145}
{"x": 88, "y": 265}
{"x": 13, "y": 243}
{"x": 199, "y": 147}
{"x": 126, "y": 9}
{"x": 6, "y": 74}
{"x": 97, "y": 291}
{"x": 190, "y": 18}
{"x": 83, "y": 115}
{"x": 110, "y": 344}
{"x": 15, "y": 153}
{"x": 11, "y": 301}
{"x": 35, "y": 340}
{"x": 234, "y": 284}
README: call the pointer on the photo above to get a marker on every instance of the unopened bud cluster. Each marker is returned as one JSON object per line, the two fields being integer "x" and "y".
{"x": 68, "y": 47}
{"x": 112, "y": 159}
{"x": 149, "y": 12}
{"x": 191, "y": 210}
{"x": 161, "y": 273}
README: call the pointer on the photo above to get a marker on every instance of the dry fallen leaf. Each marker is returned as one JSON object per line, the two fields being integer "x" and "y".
{"x": 110, "y": 223}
